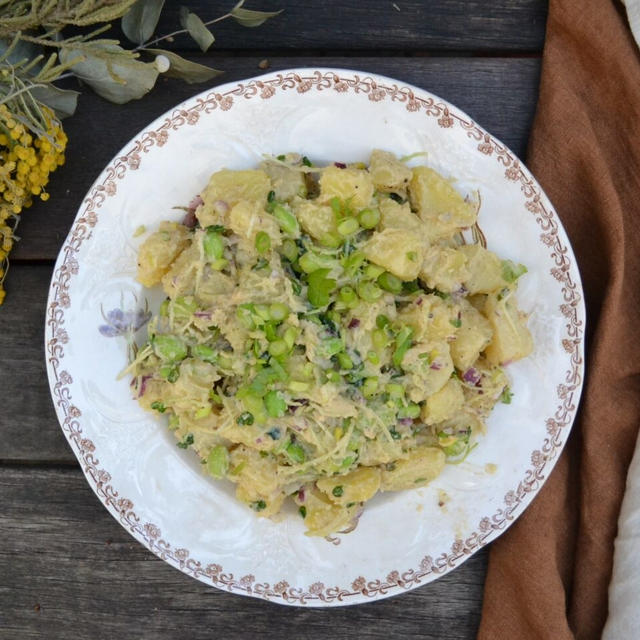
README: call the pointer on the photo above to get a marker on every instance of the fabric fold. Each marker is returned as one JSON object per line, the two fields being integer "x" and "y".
{"x": 548, "y": 575}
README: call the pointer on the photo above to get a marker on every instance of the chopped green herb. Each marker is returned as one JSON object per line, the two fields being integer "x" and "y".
{"x": 245, "y": 418}
{"x": 259, "y": 505}
{"x": 306, "y": 162}
{"x": 186, "y": 441}
{"x": 303, "y": 511}
{"x": 158, "y": 406}
{"x": 320, "y": 288}
{"x": 511, "y": 271}
{"x": 506, "y": 396}
{"x": 337, "y": 491}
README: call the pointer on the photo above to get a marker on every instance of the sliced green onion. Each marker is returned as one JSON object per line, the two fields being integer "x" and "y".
{"x": 369, "y": 218}
{"x": 412, "y": 410}
{"x": 219, "y": 264}
{"x": 333, "y": 376}
{"x": 213, "y": 244}
{"x": 278, "y": 311}
{"x": 295, "y": 452}
{"x": 287, "y": 221}
{"x": 348, "y": 227}
{"x": 169, "y": 372}
{"x": 278, "y": 348}
{"x": 337, "y": 491}
{"x": 290, "y": 336}
{"x": 263, "y": 242}
{"x": 369, "y": 291}
{"x": 203, "y": 412}
{"x": 290, "y": 250}
{"x": 336, "y": 206}
{"x": 330, "y": 347}
{"x": 204, "y": 352}
{"x": 298, "y": 386}
{"x": 347, "y": 294}
{"x": 403, "y": 342}
{"x": 311, "y": 261}
{"x": 158, "y": 406}
{"x": 218, "y": 461}
{"x": 344, "y": 360}
{"x": 379, "y": 339}
{"x": 168, "y": 347}
{"x": 394, "y": 390}
{"x": 370, "y": 387}
{"x": 373, "y": 357}
{"x": 390, "y": 283}
{"x": 275, "y": 404}
{"x": 373, "y": 271}
{"x": 382, "y": 321}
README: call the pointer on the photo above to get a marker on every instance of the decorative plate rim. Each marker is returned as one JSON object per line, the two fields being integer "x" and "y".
{"x": 375, "y": 88}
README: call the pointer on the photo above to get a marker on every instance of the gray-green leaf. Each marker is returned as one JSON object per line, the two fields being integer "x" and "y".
{"x": 62, "y": 101}
{"x": 139, "y": 23}
{"x": 196, "y": 28}
{"x": 250, "y": 18}
{"x": 111, "y": 71}
{"x": 186, "y": 70}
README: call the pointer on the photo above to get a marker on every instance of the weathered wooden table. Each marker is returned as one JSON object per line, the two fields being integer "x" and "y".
{"x": 67, "y": 569}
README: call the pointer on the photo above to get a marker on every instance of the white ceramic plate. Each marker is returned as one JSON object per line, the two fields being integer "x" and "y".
{"x": 157, "y": 491}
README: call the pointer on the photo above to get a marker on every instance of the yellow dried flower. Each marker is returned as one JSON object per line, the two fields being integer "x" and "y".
{"x": 25, "y": 164}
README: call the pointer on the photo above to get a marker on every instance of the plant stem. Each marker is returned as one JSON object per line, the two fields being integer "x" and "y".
{"x": 150, "y": 43}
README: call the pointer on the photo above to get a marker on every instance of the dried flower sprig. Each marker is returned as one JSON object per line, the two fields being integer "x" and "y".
{"x": 35, "y": 53}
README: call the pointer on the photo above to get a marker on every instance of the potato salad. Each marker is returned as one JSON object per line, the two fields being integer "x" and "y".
{"x": 328, "y": 333}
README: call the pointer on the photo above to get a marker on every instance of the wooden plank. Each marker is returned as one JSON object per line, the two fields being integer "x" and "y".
{"x": 29, "y": 427}
{"x": 70, "y": 571}
{"x": 500, "y": 94}
{"x": 403, "y": 25}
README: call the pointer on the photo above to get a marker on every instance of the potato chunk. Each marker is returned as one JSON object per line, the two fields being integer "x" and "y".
{"x": 438, "y": 203}
{"x": 159, "y": 250}
{"x": 444, "y": 403}
{"x": 358, "y": 486}
{"x": 353, "y": 186}
{"x": 444, "y": 268}
{"x": 394, "y": 215}
{"x": 317, "y": 220}
{"x": 388, "y": 173}
{"x": 257, "y": 480}
{"x": 511, "y": 337}
{"x": 226, "y": 188}
{"x": 398, "y": 251}
{"x": 472, "y": 336}
{"x": 485, "y": 270}
{"x": 428, "y": 367}
{"x": 321, "y": 515}
{"x": 420, "y": 467}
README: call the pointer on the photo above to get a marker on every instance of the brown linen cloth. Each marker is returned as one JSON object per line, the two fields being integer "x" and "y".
{"x": 548, "y": 575}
